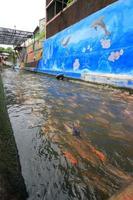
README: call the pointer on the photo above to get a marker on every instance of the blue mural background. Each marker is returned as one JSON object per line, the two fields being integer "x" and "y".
{"x": 101, "y": 43}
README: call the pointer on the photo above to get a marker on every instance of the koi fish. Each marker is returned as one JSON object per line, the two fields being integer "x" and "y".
{"x": 68, "y": 128}
{"x": 126, "y": 194}
{"x": 70, "y": 157}
{"x": 89, "y": 116}
{"x": 99, "y": 154}
{"x": 101, "y": 24}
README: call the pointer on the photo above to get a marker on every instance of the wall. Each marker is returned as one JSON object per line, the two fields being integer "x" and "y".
{"x": 32, "y": 54}
{"x": 48, "y": 1}
{"x": 42, "y": 25}
{"x": 99, "y": 48}
{"x": 74, "y": 13}
{"x": 34, "y": 51}
{"x": 12, "y": 184}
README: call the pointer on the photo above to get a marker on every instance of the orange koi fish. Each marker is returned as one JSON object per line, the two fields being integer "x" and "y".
{"x": 125, "y": 194}
{"x": 70, "y": 157}
{"x": 99, "y": 154}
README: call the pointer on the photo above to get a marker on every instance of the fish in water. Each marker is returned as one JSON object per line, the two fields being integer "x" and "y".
{"x": 65, "y": 41}
{"x": 124, "y": 194}
{"x": 70, "y": 157}
{"x": 76, "y": 132}
{"x": 100, "y": 23}
{"x": 99, "y": 154}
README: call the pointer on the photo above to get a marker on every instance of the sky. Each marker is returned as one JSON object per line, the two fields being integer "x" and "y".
{"x": 24, "y": 14}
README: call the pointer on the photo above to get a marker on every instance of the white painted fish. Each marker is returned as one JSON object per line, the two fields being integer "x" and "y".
{"x": 65, "y": 41}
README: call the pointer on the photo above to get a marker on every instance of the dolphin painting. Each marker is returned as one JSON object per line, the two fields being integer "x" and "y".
{"x": 100, "y": 23}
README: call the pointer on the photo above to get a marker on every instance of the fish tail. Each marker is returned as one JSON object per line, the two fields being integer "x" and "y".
{"x": 107, "y": 32}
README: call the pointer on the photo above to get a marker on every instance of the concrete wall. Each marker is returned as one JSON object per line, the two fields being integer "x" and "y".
{"x": 12, "y": 184}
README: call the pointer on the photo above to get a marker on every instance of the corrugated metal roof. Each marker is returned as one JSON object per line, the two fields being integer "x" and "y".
{"x": 13, "y": 37}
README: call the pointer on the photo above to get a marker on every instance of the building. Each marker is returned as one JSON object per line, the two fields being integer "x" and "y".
{"x": 42, "y": 24}
{"x": 34, "y": 48}
{"x": 31, "y": 52}
{"x": 61, "y": 14}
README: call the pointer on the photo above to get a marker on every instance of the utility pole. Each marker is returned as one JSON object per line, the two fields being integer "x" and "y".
{"x": 14, "y": 59}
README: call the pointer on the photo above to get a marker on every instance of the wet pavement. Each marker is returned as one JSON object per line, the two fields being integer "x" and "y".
{"x": 75, "y": 141}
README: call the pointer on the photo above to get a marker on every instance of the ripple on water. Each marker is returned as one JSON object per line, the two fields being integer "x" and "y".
{"x": 56, "y": 163}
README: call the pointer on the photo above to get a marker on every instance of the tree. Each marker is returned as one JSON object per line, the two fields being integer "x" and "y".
{"x": 2, "y": 49}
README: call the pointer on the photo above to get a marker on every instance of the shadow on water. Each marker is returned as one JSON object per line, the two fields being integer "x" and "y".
{"x": 74, "y": 141}
{"x": 12, "y": 186}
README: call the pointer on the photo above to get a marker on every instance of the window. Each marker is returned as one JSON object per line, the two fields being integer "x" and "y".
{"x": 55, "y": 7}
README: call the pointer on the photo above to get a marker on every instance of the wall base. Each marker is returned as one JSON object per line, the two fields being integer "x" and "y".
{"x": 110, "y": 79}
{"x": 123, "y": 81}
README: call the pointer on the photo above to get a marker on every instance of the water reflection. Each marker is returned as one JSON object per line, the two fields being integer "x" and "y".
{"x": 56, "y": 162}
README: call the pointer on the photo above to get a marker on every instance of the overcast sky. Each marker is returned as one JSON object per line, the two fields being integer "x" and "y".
{"x": 24, "y": 14}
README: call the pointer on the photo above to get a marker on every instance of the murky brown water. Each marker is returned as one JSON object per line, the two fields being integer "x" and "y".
{"x": 74, "y": 141}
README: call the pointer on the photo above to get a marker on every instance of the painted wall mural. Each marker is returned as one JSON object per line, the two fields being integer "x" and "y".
{"x": 101, "y": 44}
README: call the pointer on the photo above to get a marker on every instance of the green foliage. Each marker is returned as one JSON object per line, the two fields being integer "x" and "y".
{"x": 6, "y": 50}
{"x": 40, "y": 36}
{"x": 11, "y": 57}
{"x": 1, "y": 49}
{"x": 69, "y": 2}
{"x": 9, "y": 49}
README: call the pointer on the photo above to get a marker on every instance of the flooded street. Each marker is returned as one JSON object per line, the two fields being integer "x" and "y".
{"x": 75, "y": 142}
